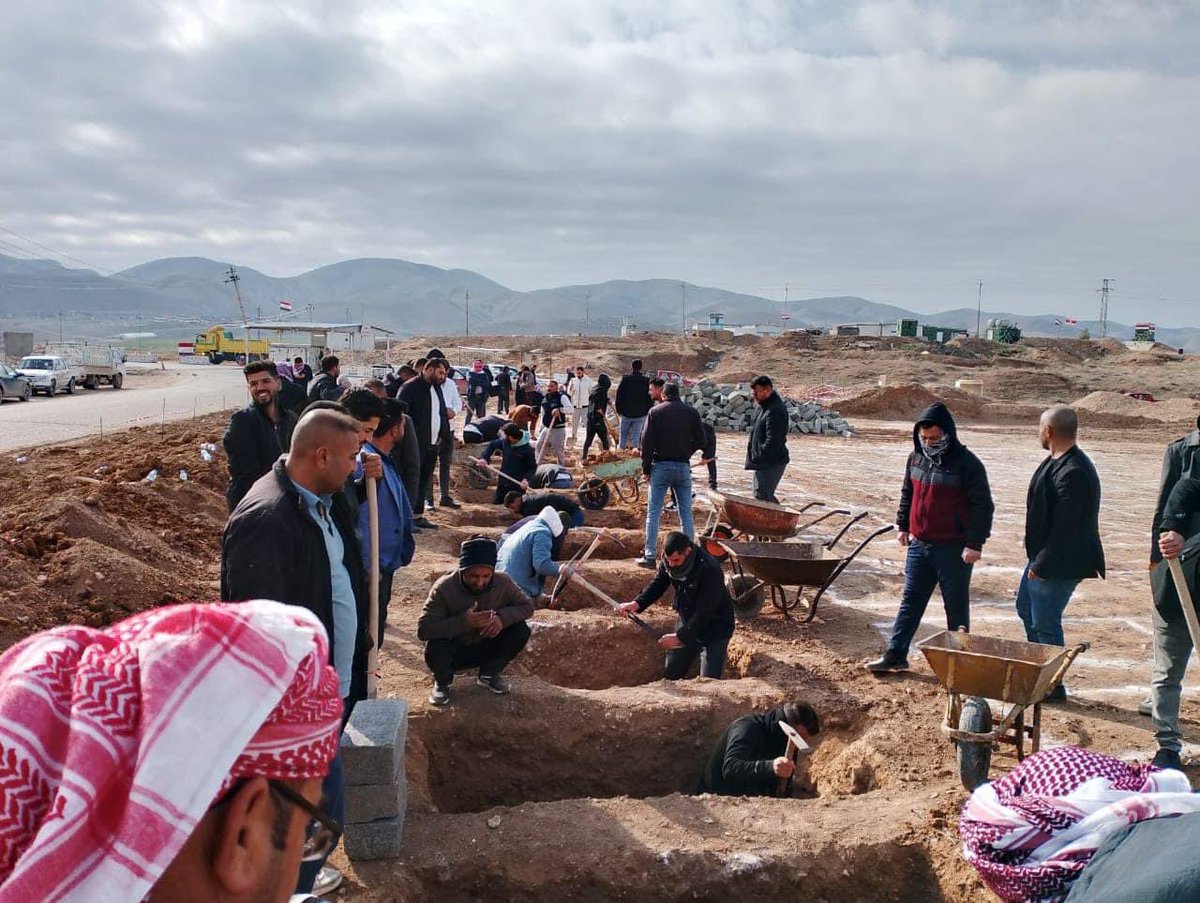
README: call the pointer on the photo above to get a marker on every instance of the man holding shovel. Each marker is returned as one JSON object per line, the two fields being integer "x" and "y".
{"x": 1174, "y": 586}
{"x": 518, "y": 463}
{"x": 752, "y": 757}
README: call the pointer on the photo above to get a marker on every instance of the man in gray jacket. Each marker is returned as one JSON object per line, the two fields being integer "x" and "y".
{"x": 474, "y": 617}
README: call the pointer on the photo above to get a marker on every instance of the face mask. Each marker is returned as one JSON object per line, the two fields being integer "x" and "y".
{"x": 935, "y": 449}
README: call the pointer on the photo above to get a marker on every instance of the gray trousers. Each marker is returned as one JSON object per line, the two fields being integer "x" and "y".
{"x": 556, "y": 439}
{"x": 1172, "y": 648}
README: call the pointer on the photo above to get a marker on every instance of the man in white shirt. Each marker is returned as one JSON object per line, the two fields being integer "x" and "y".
{"x": 580, "y": 390}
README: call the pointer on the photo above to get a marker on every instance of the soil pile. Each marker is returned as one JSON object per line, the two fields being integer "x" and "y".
{"x": 1173, "y": 410}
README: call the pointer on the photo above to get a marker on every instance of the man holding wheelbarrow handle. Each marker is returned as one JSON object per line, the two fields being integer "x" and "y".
{"x": 705, "y": 609}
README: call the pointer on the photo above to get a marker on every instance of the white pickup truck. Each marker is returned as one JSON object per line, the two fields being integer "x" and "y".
{"x": 97, "y": 363}
{"x": 51, "y": 373}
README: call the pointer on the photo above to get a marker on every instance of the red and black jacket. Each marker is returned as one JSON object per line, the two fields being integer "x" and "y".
{"x": 945, "y": 500}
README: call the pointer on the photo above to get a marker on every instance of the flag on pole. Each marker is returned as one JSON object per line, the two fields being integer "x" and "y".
{"x": 785, "y": 316}
{"x": 1070, "y": 322}
{"x": 285, "y": 305}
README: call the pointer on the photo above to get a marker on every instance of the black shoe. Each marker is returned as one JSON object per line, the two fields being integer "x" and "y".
{"x": 1058, "y": 694}
{"x": 424, "y": 524}
{"x": 448, "y": 502}
{"x": 1167, "y": 758}
{"x": 494, "y": 682}
{"x": 440, "y": 694}
{"x": 648, "y": 563}
{"x": 888, "y": 664}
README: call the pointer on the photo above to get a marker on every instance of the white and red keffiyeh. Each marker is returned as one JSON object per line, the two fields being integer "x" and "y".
{"x": 1032, "y": 832}
{"x": 114, "y": 743}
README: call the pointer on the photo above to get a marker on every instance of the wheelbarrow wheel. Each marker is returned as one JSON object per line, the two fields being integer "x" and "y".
{"x": 594, "y": 494}
{"x": 974, "y": 759}
{"x": 749, "y": 596}
{"x": 712, "y": 541}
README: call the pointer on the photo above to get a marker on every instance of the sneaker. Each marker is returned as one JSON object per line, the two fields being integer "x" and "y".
{"x": 440, "y": 694}
{"x": 493, "y": 682}
{"x": 1167, "y": 758}
{"x": 648, "y": 563}
{"x": 448, "y": 502}
{"x": 1058, "y": 694}
{"x": 424, "y": 523}
{"x": 889, "y": 663}
{"x": 328, "y": 880}
{"x": 1146, "y": 707}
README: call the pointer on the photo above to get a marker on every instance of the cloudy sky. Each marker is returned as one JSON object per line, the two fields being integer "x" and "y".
{"x": 895, "y": 149}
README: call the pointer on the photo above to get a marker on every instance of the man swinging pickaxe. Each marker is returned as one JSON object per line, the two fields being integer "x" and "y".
{"x": 571, "y": 572}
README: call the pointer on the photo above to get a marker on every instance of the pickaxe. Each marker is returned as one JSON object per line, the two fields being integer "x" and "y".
{"x": 571, "y": 572}
{"x": 1185, "y": 600}
{"x": 795, "y": 746}
{"x": 574, "y": 564}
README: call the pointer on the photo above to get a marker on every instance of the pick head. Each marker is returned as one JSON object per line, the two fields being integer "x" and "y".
{"x": 794, "y": 736}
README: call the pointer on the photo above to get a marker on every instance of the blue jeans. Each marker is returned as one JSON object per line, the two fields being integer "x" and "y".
{"x": 665, "y": 475}
{"x": 333, "y": 804}
{"x": 926, "y": 567}
{"x": 1041, "y": 603}
{"x": 631, "y": 429}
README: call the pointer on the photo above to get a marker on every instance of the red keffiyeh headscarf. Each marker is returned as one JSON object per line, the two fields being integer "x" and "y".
{"x": 114, "y": 743}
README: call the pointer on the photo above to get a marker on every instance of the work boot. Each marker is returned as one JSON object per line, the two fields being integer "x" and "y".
{"x": 648, "y": 563}
{"x": 1167, "y": 758}
{"x": 890, "y": 662}
{"x": 448, "y": 502}
{"x": 495, "y": 683}
{"x": 440, "y": 694}
{"x": 1146, "y": 706}
{"x": 424, "y": 523}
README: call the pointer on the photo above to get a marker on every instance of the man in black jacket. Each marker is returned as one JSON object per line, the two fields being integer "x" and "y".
{"x": 766, "y": 449}
{"x": 431, "y": 419}
{"x": 1062, "y": 531}
{"x": 529, "y": 504}
{"x": 257, "y": 434}
{"x": 673, "y": 433}
{"x": 518, "y": 464}
{"x": 632, "y": 404}
{"x": 325, "y": 387}
{"x": 749, "y": 758}
{"x": 702, "y": 602}
{"x": 292, "y": 539}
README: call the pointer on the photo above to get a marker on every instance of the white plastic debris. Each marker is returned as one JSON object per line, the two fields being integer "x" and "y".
{"x": 183, "y": 475}
{"x": 150, "y": 477}
{"x": 21, "y": 459}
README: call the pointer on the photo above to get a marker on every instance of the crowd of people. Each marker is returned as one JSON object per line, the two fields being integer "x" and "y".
{"x": 265, "y": 799}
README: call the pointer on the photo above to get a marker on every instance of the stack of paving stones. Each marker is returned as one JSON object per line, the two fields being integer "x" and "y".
{"x": 376, "y": 789}
{"x": 731, "y": 408}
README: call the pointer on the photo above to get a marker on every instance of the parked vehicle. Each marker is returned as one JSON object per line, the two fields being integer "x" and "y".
{"x": 13, "y": 384}
{"x": 95, "y": 364}
{"x": 1141, "y": 396}
{"x": 673, "y": 376}
{"x": 50, "y": 373}
{"x": 219, "y": 345}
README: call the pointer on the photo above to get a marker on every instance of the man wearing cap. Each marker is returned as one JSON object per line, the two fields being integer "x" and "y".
{"x": 702, "y": 602}
{"x": 177, "y": 755}
{"x": 474, "y": 617}
{"x": 528, "y": 557}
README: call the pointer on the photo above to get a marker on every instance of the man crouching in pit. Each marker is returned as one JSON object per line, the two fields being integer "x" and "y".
{"x": 702, "y": 602}
{"x": 473, "y": 618}
{"x": 751, "y": 758}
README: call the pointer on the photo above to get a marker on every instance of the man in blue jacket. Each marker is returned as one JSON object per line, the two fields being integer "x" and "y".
{"x": 527, "y": 556}
{"x": 396, "y": 543}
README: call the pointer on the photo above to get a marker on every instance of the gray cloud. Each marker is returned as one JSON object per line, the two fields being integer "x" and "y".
{"x": 895, "y": 149}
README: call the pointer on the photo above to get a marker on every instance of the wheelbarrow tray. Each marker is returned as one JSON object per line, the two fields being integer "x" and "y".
{"x": 754, "y": 517}
{"x": 615, "y": 470}
{"x": 785, "y": 563}
{"x": 1008, "y": 670}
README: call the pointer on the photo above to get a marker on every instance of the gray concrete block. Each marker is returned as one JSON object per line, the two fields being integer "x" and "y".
{"x": 373, "y": 742}
{"x": 370, "y": 802}
{"x": 379, "y": 839}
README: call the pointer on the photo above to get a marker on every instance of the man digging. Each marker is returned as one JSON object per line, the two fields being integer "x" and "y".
{"x": 751, "y": 758}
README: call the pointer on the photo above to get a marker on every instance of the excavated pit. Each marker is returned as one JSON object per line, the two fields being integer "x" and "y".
{"x": 586, "y": 650}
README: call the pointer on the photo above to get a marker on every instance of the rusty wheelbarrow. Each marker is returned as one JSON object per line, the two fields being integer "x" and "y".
{"x": 980, "y": 668}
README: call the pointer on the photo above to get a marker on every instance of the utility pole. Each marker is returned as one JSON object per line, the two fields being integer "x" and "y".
{"x": 1104, "y": 289}
{"x": 60, "y": 327}
{"x": 587, "y": 319}
{"x": 467, "y": 298}
{"x": 979, "y": 309}
{"x": 783, "y": 315}
{"x": 683, "y": 301}
{"x": 233, "y": 277}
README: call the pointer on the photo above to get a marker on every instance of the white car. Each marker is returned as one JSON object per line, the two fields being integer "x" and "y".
{"x": 49, "y": 373}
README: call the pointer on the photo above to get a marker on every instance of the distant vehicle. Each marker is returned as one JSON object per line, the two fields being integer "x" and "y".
{"x": 13, "y": 384}
{"x": 673, "y": 376}
{"x": 1141, "y": 396}
{"x": 50, "y": 373}
{"x": 218, "y": 344}
{"x": 95, "y": 364}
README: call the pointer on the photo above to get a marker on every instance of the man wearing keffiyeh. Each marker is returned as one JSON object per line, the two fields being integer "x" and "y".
{"x": 175, "y": 755}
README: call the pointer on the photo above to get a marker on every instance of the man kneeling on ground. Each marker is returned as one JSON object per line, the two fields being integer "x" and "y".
{"x": 473, "y": 618}
{"x": 750, "y": 760}
{"x": 702, "y": 602}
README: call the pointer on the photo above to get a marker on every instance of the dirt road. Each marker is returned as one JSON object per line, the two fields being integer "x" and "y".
{"x": 149, "y": 395}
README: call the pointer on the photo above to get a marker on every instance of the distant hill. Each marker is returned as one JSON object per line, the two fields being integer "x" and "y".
{"x": 418, "y": 298}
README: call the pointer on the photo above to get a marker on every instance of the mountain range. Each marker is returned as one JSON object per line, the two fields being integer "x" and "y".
{"x": 173, "y": 294}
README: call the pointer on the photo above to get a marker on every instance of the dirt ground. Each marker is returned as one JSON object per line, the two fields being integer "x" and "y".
{"x": 577, "y": 786}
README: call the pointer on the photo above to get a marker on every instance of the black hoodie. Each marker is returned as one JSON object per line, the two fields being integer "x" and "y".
{"x": 946, "y": 500}
{"x": 743, "y": 762}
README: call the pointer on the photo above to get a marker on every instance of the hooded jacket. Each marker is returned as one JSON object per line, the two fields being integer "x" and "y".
{"x": 528, "y": 555}
{"x": 517, "y": 460}
{"x": 743, "y": 761}
{"x": 947, "y": 500}
{"x": 1182, "y": 459}
{"x": 767, "y": 446}
{"x": 633, "y": 395}
{"x": 702, "y": 600}
{"x": 598, "y": 397}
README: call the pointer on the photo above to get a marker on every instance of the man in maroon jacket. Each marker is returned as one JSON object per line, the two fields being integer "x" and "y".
{"x": 944, "y": 519}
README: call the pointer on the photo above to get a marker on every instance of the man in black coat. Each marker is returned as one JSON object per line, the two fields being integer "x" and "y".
{"x": 292, "y": 539}
{"x": 749, "y": 758}
{"x": 257, "y": 434}
{"x": 1062, "y": 530}
{"x": 325, "y": 387}
{"x": 632, "y": 404}
{"x": 702, "y": 602}
{"x": 766, "y": 449}
{"x": 431, "y": 420}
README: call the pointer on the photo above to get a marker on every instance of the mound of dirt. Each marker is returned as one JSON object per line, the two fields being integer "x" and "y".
{"x": 908, "y": 400}
{"x": 1174, "y": 410}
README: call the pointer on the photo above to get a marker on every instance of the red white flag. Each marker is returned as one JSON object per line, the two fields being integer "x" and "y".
{"x": 1070, "y": 322}
{"x": 285, "y": 305}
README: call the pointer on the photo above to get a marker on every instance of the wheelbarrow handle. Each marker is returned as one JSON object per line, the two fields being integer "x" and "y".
{"x": 850, "y": 523}
{"x": 1073, "y": 653}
